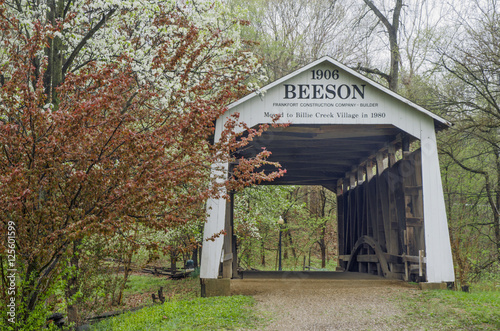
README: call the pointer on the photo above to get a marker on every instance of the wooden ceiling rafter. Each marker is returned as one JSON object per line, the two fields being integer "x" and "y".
{"x": 322, "y": 154}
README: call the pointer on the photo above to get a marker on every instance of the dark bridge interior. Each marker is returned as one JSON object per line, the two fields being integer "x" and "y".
{"x": 379, "y": 195}
{"x": 321, "y": 154}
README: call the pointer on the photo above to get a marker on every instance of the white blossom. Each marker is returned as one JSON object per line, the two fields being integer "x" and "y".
{"x": 129, "y": 31}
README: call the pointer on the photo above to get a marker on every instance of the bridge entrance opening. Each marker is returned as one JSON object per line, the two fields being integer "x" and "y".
{"x": 285, "y": 228}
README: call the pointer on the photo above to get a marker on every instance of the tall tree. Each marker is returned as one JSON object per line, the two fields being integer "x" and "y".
{"x": 106, "y": 114}
{"x": 257, "y": 211}
{"x": 321, "y": 205}
{"x": 423, "y": 27}
{"x": 290, "y": 34}
{"x": 472, "y": 100}
{"x": 391, "y": 26}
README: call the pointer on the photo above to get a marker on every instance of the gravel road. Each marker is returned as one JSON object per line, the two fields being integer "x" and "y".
{"x": 333, "y": 304}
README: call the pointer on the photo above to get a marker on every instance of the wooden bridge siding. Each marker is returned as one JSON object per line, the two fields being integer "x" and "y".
{"x": 340, "y": 219}
{"x": 386, "y": 207}
{"x": 413, "y": 197}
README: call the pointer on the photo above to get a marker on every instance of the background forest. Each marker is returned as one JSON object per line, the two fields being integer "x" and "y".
{"x": 106, "y": 118}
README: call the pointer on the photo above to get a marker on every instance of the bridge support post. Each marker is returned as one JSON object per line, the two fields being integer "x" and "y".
{"x": 439, "y": 261}
{"x": 211, "y": 256}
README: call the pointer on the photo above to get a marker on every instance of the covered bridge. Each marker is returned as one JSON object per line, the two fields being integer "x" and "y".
{"x": 373, "y": 148}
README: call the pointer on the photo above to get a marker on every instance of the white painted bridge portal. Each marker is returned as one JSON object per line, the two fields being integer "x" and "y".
{"x": 345, "y": 134}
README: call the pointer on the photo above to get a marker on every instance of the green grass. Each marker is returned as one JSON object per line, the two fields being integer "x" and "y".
{"x": 291, "y": 264}
{"x": 187, "y": 288}
{"x": 454, "y": 310}
{"x": 216, "y": 313}
{"x": 144, "y": 283}
{"x": 185, "y": 310}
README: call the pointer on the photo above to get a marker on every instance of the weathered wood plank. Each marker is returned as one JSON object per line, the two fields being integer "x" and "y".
{"x": 340, "y": 218}
{"x": 414, "y": 221}
{"x": 367, "y": 258}
{"x": 383, "y": 193}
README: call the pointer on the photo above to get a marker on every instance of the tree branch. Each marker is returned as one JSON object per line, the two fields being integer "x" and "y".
{"x": 375, "y": 72}
{"x": 463, "y": 166}
{"x": 379, "y": 14}
{"x": 82, "y": 43}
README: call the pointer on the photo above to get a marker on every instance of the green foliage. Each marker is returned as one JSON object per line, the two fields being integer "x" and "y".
{"x": 37, "y": 316}
{"x": 469, "y": 216}
{"x": 257, "y": 210}
{"x": 96, "y": 283}
{"x": 217, "y": 313}
{"x": 307, "y": 213}
{"x": 312, "y": 262}
{"x": 195, "y": 273}
{"x": 143, "y": 283}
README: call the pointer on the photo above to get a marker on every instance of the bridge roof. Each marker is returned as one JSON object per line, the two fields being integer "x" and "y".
{"x": 440, "y": 122}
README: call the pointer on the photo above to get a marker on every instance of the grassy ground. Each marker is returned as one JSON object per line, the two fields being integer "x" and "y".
{"x": 185, "y": 310}
{"x": 218, "y": 313}
{"x": 295, "y": 264}
{"x": 454, "y": 310}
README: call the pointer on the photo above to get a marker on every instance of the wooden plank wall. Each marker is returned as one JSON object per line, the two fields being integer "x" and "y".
{"x": 382, "y": 199}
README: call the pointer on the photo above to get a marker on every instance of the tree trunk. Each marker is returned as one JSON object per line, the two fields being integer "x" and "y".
{"x": 173, "y": 261}
{"x": 263, "y": 254}
{"x": 395, "y": 56}
{"x": 54, "y": 51}
{"x": 72, "y": 284}
{"x": 126, "y": 266}
{"x": 392, "y": 31}
{"x": 29, "y": 292}
{"x": 284, "y": 247}
{"x": 496, "y": 211}
{"x": 322, "y": 245}
{"x": 288, "y": 234}
{"x": 194, "y": 257}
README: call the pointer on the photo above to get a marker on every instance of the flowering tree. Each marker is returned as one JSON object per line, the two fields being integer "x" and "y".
{"x": 106, "y": 114}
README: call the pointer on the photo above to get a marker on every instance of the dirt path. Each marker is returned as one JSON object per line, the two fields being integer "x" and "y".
{"x": 339, "y": 304}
